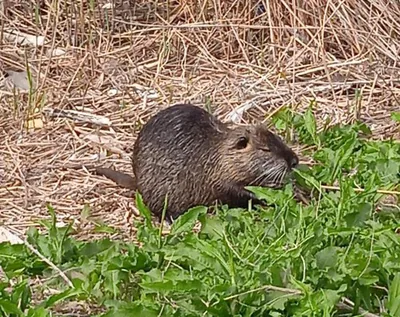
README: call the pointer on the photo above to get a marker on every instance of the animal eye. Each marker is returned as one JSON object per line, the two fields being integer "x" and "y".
{"x": 241, "y": 143}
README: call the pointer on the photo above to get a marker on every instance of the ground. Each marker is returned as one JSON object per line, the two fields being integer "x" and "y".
{"x": 124, "y": 61}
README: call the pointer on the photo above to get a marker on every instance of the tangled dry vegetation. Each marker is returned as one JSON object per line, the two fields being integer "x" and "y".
{"x": 119, "y": 62}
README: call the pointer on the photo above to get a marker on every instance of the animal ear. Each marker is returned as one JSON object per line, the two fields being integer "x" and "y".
{"x": 241, "y": 142}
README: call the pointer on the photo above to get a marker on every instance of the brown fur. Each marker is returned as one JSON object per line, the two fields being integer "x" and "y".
{"x": 187, "y": 153}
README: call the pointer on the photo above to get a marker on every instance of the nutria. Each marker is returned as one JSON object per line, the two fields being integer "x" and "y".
{"x": 187, "y": 153}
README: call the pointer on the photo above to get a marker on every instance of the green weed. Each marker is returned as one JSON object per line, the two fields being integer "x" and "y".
{"x": 287, "y": 259}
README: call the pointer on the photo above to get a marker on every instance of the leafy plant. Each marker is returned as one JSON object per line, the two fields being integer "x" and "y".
{"x": 283, "y": 259}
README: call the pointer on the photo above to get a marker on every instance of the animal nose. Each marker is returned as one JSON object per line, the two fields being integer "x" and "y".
{"x": 294, "y": 161}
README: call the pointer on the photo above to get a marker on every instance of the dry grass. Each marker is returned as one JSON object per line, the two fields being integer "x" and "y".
{"x": 128, "y": 62}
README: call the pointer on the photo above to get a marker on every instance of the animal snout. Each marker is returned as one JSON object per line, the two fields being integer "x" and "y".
{"x": 293, "y": 161}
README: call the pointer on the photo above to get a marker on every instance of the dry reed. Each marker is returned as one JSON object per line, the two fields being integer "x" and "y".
{"x": 125, "y": 60}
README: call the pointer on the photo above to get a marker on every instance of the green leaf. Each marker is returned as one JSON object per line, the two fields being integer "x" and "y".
{"x": 277, "y": 301}
{"x": 394, "y": 296}
{"x": 332, "y": 297}
{"x": 266, "y": 194}
{"x": 67, "y": 294}
{"x": 309, "y": 179}
{"x": 395, "y": 116}
{"x": 311, "y": 125}
{"x": 326, "y": 258}
{"x": 186, "y": 221}
{"x": 101, "y": 228}
{"x": 368, "y": 280}
{"x": 200, "y": 255}
{"x": 22, "y": 294}
{"x": 143, "y": 209}
{"x": 357, "y": 219}
{"x": 38, "y": 312}
{"x": 212, "y": 226}
{"x": 342, "y": 156}
{"x": 93, "y": 248}
{"x": 10, "y": 308}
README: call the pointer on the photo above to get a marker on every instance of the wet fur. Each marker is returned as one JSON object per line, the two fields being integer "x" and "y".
{"x": 187, "y": 153}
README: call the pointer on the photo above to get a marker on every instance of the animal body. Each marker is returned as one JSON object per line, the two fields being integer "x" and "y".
{"x": 189, "y": 155}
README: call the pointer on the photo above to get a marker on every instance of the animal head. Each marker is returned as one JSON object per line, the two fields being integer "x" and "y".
{"x": 256, "y": 156}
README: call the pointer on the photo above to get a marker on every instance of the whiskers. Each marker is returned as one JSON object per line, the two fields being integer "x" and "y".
{"x": 273, "y": 176}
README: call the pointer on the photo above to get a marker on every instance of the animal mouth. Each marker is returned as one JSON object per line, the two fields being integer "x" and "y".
{"x": 274, "y": 177}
